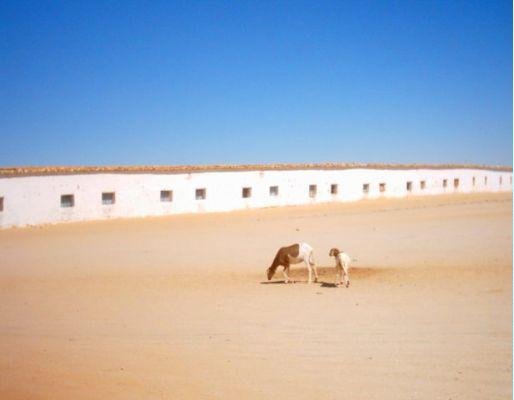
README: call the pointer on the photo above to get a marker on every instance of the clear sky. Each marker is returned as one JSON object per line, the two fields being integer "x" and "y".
{"x": 168, "y": 82}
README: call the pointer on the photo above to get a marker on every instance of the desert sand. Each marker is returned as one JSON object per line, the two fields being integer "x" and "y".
{"x": 179, "y": 307}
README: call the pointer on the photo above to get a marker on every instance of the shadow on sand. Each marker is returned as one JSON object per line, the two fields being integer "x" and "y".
{"x": 328, "y": 285}
{"x": 320, "y": 283}
{"x": 326, "y": 275}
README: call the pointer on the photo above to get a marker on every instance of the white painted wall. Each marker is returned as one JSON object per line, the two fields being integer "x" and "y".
{"x": 37, "y": 199}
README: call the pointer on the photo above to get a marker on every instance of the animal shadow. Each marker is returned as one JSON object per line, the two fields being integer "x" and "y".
{"x": 328, "y": 285}
{"x": 282, "y": 282}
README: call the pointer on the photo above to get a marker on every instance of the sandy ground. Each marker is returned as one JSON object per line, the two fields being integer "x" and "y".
{"x": 179, "y": 308}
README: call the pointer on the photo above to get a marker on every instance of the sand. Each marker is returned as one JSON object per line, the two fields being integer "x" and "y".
{"x": 179, "y": 308}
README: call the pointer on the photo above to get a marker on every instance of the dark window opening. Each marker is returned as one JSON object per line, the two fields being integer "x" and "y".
{"x": 108, "y": 198}
{"x": 313, "y": 190}
{"x": 247, "y": 192}
{"x": 67, "y": 200}
{"x": 409, "y": 186}
{"x": 422, "y": 185}
{"x": 382, "y": 187}
{"x": 474, "y": 181}
{"x": 166, "y": 195}
{"x": 445, "y": 183}
{"x": 273, "y": 190}
{"x": 333, "y": 189}
{"x": 456, "y": 183}
{"x": 201, "y": 194}
{"x": 1, "y": 204}
{"x": 365, "y": 188}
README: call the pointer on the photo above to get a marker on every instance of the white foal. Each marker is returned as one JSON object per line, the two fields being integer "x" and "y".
{"x": 342, "y": 266}
{"x": 294, "y": 254}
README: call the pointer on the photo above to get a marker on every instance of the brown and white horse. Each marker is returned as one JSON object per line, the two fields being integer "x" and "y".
{"x": 294, "y": 254}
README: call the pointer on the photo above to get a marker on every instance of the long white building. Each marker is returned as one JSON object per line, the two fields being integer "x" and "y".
{"x": 34, "y": 196}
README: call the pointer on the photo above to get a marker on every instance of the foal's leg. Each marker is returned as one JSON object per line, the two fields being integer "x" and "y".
{"x": 346, "y": 275}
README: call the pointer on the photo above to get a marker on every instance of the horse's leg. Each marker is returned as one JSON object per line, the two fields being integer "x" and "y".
{"x": 346, "y": 275}
{"x": 286, "y": 275}
{"x": 315, "y": 273}
{"x": 310, "y": 270}
{"x": 313, "y": 263}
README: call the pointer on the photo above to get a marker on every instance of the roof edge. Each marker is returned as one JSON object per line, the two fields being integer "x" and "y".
{"x": 185, "y": 169}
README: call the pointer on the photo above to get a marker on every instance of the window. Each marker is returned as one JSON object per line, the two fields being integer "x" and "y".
{"x": 456, "y": 183}
{"x": 365, "y": 188}
{"x": 422, "y": 185}
{"x": 445, "y": 183}
{"x": 201, "y": 194}
{"x": 485, "y": 180}
{"x": 1, "y": 204}
{"x": 273, "y": 190}
{"x": 166, "y": 195}
{"x": 108, "y": 198}
{"x": 247, "y": 192}
{"x": 382, "y": 187}
{"x": 67, "y": 200}
{"x": 333, "y": 188}
{"x": 409, "y": 186}
{"x": 312, "y": 190}
{"x": 474, "y": 181}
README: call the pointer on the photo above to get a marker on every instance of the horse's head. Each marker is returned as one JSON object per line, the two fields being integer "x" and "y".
{"x": 271, "y": 271}
{"x": 334, "y": 252}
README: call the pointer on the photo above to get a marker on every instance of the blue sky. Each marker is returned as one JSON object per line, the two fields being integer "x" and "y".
{"x": 149, "y": 82}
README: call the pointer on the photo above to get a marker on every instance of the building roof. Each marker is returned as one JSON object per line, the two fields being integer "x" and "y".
{"x": 6, "y": 172}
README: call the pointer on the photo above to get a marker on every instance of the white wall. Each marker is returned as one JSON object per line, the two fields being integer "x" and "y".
{"x": 37, "y": 199}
